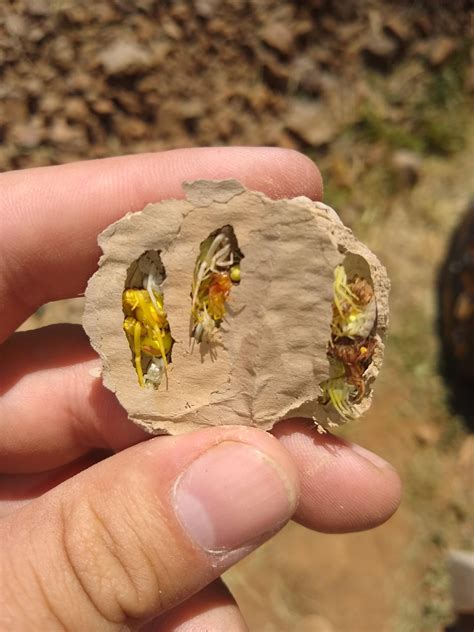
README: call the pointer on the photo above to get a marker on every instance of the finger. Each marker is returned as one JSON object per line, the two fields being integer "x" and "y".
{"x": 344, "y": 487}
{"x": 135, "y": 535}
{"x": 17, "y": 490}
{"x": 212, "y": 609}
{"x": 342, "y": 490}
{"x": 52, "y": 409}
{"x": 50, "y": 216}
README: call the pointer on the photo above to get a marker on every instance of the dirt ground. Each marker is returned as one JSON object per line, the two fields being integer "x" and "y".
{"x": 380, "y": 96}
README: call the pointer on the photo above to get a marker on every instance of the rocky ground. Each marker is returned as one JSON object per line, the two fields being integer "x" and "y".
{"x": 380, "y": 95}
{"x": 84, "y": 79}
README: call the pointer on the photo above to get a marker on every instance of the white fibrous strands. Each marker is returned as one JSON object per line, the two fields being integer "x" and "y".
{"x": 216, "y": 270}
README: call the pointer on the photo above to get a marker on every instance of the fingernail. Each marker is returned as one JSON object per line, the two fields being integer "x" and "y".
{"x": 231, "y": 495}
{"x": 373, "y": 458}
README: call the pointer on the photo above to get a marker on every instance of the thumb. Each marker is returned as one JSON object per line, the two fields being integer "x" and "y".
{"x": 144, "y": 530}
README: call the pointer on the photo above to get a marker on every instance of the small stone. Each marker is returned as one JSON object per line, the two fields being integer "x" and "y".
{"x": 62, "y": 53}
{"x": 64, "y": 134}
{"x": 305, "y": 75}
{"x": 102, "y": 106}
{"x": 398, "y": 27}
{"x": 171, "y": 29}
{"x": 75, "y": 108}
{"x": 159, "y": 51}
{"x": 15, "y": 24}
{"x": 130, "y": 127}
{"x": 192, "y": 109}
{"x": 37, "y": 7}
{"x": 278, "y": 36}
{"x": 77, "y": 14}
{"x": 125, "y": 57}
{"x": 80, "y": 82}
{"x": 33, "y": 85}
{"x": 50, "y": 103}
{"x": 27, "y": 135}
{"x": 36, "y": 34}
{"x": 128, "y": 101}
{"x": 206, "y": 8}
{"x": 440, "y": 50}
{"x": 380, "y": 49}
{"x": 311, "y": 122}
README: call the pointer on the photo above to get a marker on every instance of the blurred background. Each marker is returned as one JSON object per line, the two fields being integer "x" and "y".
{"x": 380, "y": 95}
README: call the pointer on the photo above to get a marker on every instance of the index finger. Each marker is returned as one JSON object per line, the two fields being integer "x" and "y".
{"x": 50, "y": 216}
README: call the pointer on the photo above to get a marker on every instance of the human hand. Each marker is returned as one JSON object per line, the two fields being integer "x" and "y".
{"x": 100, "y": 528}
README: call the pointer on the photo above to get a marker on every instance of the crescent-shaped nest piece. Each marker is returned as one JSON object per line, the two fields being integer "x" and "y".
{"x": 229, "y": 307}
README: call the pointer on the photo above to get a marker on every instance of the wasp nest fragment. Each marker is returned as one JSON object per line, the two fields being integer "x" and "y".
{"x": 229, "y": 307}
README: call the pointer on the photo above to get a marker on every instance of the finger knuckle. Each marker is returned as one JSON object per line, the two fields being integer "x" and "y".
{"x": 19, "y": 576}
{"x": 110, "y": 559}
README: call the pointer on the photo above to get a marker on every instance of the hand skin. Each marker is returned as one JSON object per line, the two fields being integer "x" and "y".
{"x": 102, "y": 527}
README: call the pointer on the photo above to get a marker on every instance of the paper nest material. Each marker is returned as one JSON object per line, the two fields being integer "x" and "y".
{"x": 271, "y": 351}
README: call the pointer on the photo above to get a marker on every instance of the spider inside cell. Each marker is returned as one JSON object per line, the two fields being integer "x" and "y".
{"x": 352, "y": 345}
